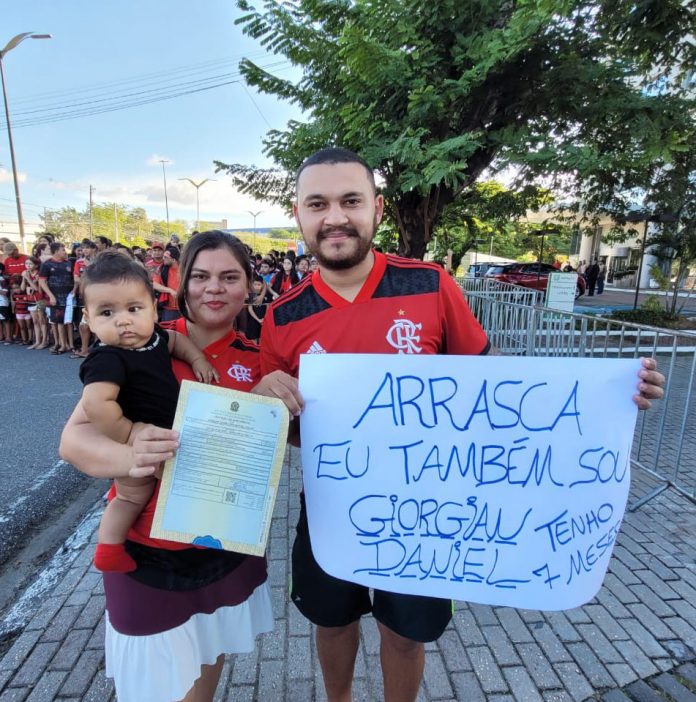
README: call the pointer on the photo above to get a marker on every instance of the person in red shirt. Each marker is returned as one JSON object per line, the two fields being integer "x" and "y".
{"x": 362, "y": 301}
{"x": 37, "y": 303}
{"x": 286, "y": 278}
{"x": 166, "y": 282}
{"x": 14, "y": 261}
{"x": 20, "y": 309}
{"x": 170, "y": 622}
{"x": 154, "y": 263}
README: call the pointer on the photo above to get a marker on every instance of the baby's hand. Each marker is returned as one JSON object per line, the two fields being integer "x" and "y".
{"x": 204, "y": 372}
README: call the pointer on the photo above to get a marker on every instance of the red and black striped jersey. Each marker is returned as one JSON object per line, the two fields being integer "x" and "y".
{"x": 404, "y": 306}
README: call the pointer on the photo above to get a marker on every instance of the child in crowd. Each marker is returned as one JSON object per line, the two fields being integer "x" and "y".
{"x": 128, "y": 378}
{"x": 20, "y": 308}
{"x": 259, "y": 300}
{"x": 37, "y": 302}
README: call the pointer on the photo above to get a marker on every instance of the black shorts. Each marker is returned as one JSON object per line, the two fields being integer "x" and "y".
{"x": 77, "y": 314}
{"x": 328, "y": 601}
{"x": 57, "y": 314}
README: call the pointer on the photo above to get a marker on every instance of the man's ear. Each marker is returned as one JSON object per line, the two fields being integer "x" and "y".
{"x": 379, "y": 208}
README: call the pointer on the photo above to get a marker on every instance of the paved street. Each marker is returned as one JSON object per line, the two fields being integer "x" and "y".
{"x": 635, "y": 641}
{"x": 41, "y": 497}
{"x": 639, "y": 634}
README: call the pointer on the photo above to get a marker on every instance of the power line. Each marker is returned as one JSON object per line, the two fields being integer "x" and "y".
{"x": 68, "y": 105}
{"x": 24, "y": 202}
{"x": 108, "y": 85}
{"x": 253, "y": 102}
{"x": 131, "y": 100}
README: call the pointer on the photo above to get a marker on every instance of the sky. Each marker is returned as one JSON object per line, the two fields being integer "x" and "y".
{"x": 109, "y": 53}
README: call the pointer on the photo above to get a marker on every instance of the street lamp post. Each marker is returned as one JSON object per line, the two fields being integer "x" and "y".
{"x": 254, "y": 215}
{"x": 198, "y": 187}
{"x": 166, "y": 199}
{"x": 543, "y": 233}
{"x": 15, "y": 41}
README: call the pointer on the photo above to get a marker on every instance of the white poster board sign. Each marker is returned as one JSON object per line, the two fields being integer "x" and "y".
{"x": 560, "y": 291}
{"x": 497, "y": 480}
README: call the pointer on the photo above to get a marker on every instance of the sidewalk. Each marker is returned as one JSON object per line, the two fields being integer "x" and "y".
{"x": 622, "y": 299}
{"x": 635, "y": 641}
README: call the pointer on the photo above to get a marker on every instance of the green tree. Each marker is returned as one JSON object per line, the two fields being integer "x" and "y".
{"x": 485, "y": 212}
{"x": 674, "y": 194}
{"x": 129, "y": 225}
{"x": 435, "y": 94}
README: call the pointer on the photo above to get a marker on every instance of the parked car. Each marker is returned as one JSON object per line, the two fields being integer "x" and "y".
{"x": 477, "y": 270}
{"x": 529, "y": 275}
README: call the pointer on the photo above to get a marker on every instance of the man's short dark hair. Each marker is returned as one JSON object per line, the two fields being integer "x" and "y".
{"x": 112, "y": 266}
{"x": 333, "y": 155}
{"x": 55, "y": 246}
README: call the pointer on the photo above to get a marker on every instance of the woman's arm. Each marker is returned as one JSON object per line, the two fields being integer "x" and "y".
{"x": 163, "y": 289}
{"x": 97, "y": 455}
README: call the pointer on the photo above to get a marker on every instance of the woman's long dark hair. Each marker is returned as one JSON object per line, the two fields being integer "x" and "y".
{"x": 277, "y": 281}
{"x": 214, "y": 239}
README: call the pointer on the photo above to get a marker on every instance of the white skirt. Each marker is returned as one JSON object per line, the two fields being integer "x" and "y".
{"x": 163, "y": 667}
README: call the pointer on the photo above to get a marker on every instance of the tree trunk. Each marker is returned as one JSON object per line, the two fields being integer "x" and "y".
{"x": 416, "y": 217}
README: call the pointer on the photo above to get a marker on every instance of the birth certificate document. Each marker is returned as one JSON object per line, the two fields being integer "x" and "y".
{"x": 220, "y": 488}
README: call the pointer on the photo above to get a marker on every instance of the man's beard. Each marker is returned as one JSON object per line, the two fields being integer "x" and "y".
{"x": 348, "y": 260}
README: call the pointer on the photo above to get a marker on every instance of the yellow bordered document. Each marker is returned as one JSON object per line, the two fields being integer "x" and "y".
{"x": 220, "y": 488}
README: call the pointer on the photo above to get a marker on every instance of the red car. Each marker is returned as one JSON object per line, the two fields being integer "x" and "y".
{"x": 529, "y": 275}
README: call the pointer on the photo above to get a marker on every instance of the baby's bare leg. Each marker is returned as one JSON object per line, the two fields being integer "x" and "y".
{"x": 132, "y": 494}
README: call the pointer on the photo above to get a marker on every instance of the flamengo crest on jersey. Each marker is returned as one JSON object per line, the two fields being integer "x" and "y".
{"x": 240, "y": 373}
{"x": 403, "y": 337}
{"x": 316, "y": 347}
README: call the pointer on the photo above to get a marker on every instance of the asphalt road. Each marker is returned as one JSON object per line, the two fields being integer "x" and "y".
{"x": 41, "y": 497}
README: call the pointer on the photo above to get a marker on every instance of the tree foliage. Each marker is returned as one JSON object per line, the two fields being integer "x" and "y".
{"x": 435, "y": 95}
{"x": 486, "y": 217}
{"x": 129, "y": 225}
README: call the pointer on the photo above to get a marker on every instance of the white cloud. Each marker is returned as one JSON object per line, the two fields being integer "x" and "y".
{"x": 155, "y": 160}
{"x": 6, "y": 176}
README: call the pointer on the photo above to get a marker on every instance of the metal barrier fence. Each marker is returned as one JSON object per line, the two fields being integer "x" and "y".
{"x": 665, "y": 439}
{"x": 503, "y": 291}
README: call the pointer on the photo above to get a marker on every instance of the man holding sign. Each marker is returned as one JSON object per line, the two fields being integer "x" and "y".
{"x": 361, "y": 301}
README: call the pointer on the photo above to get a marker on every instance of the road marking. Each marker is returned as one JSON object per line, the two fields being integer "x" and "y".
{"x": 38, "y": 484}
{"x": 21, "y": 612}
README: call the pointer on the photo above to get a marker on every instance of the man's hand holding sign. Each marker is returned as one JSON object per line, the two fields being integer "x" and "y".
{"x": 491, "y": 480}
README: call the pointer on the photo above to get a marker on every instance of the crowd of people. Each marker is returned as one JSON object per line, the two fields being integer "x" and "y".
{"x": 594, "y": 274}
{"x": 41, "y": 305}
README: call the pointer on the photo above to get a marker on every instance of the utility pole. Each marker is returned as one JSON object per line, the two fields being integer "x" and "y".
{"x": 116, "y": 222}
{"x": 15, "y": 177}
{"x": 254, "y": 215}
{"x": 91, "y": 221}
{"x": 166, "y": 199}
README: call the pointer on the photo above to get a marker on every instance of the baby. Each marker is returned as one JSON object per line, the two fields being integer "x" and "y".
{"x": 128, "y": 378}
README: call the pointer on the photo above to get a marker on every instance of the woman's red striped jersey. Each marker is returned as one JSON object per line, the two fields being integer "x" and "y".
{"x": 404, "y": 306}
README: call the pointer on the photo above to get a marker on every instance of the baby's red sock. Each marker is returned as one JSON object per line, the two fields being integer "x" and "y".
{"x": 113, "y": 558}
